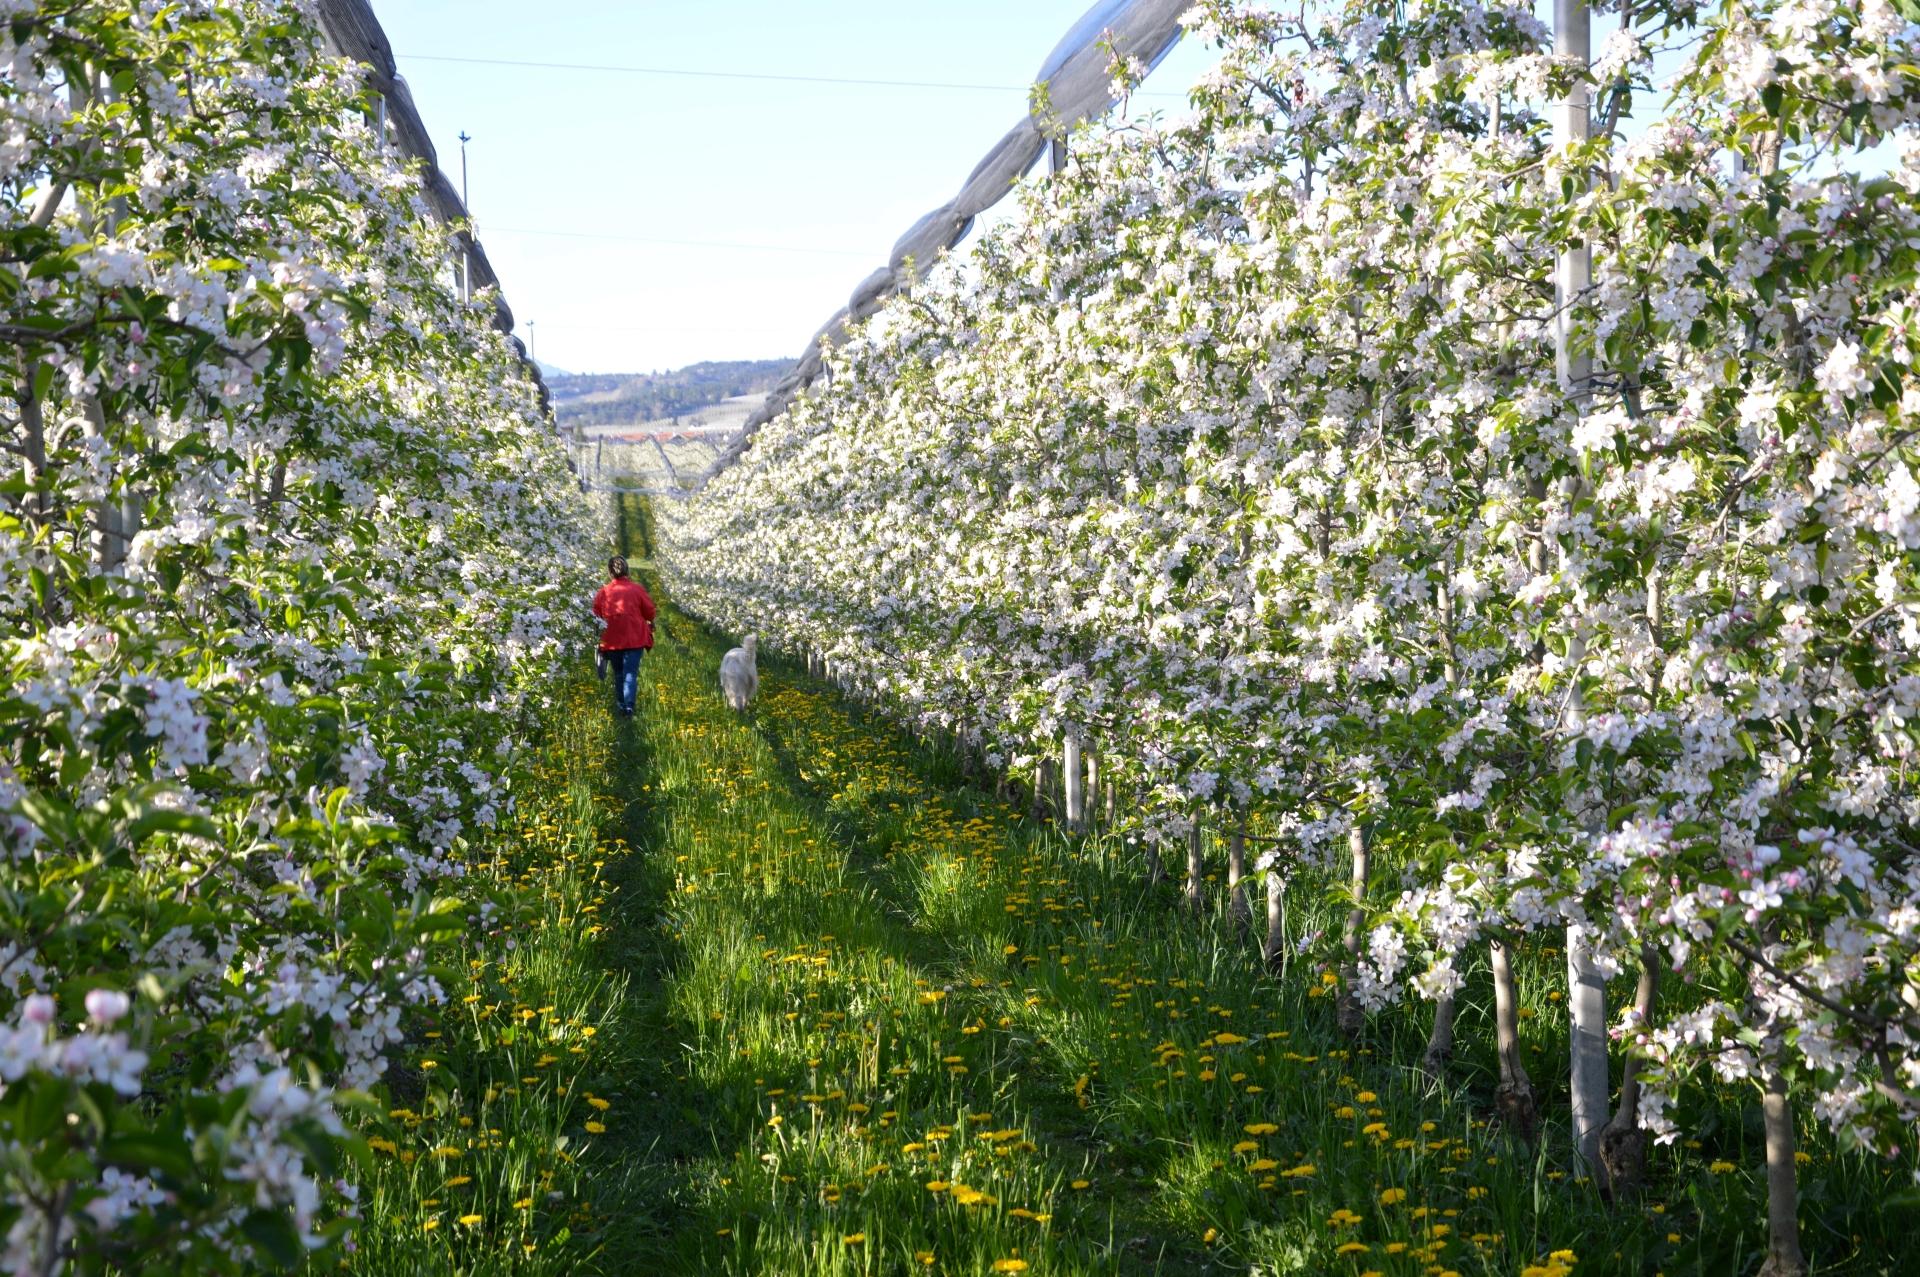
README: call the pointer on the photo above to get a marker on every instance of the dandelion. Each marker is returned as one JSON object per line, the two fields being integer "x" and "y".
{"x": 1261, "y": 1128}
{"x": 854, "y": 1239}
{"x": 1720, "y": 1168}
{"x": 1392, "y": 1196}
{"x": 596, "y": 1128}
{"x": 1009, "y": 1265}
{"x": 470, "y": 1220}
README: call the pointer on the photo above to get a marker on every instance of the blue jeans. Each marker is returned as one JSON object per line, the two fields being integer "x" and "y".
{"x": 626, "y": 676}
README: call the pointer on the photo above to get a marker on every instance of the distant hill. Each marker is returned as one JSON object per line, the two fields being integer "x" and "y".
{"x": 620, "y": 399}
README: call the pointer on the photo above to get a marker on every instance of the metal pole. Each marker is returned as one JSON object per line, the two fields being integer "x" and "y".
{"x": 466, "y": 252}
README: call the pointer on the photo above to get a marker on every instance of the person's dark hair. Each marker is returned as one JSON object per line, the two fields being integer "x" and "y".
{"x": 616, "y": 566}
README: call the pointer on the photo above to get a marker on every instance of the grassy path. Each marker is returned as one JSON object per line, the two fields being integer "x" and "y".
{"x": 881, "y": 1024}
{"x": 793, "y": 999}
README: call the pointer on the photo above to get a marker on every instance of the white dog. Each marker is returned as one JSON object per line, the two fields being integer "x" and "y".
{"x": 740, "y": 674}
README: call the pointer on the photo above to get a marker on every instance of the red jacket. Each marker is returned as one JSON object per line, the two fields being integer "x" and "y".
{"x": 623, "y": 603}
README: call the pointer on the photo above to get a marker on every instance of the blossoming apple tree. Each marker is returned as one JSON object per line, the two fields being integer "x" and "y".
{"x": 1248, "y": 454}
{"x": 278, "y": 526}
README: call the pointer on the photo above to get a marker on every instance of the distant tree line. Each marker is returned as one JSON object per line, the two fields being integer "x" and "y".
{"x": 612, "y": 399}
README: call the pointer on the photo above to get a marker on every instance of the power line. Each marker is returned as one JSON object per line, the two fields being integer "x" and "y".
{"x": 742, "y": 75}
{"x": 678, "y": 243}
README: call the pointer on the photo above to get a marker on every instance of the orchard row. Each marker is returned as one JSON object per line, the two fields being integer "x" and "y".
{"x": 1258, "y": 461}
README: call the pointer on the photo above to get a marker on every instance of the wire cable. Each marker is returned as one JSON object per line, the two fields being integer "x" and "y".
{"x": 679, "y": 243}
{"x": 742, "y": 75}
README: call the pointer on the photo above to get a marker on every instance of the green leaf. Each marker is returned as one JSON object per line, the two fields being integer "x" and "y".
{"x": 144, "y": 1152}
{"x": 273, "y": 1232}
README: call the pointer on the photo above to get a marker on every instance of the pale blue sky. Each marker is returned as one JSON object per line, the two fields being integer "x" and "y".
{"x": 837, "y": 170}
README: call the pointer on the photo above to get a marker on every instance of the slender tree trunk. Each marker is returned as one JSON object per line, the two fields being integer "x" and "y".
{"x": 1076, "y": 782}
{"x": 1587, "y": 1004}
{"x": 1239, "y": 912}
{"x": 1156, "y": 867}
{"x": 1042, "y": 788}
{"x": 1196, "y": 868}
{"x": 1513, "y": 1099}
{"x": 1784, "y": 1258}
{"x": 1623, "y": 1145}
{"x": 1439, "y": 1052}
{"x": 1347, "y": 1012}
{"x": 1094, "y": 781}
{"x": 1275, "y": 948}
{"x": 33, "y": 421}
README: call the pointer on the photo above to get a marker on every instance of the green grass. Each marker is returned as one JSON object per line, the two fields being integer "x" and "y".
{"x": 826, "y": 974}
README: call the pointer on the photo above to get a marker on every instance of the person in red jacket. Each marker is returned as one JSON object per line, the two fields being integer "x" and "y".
{"x": 626, "y": 607}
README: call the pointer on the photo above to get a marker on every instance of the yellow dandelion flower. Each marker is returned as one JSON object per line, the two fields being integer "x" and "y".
{"x": 1261, "y": 1128}
{"x": 1392, "y": 1196}
{"x": 854, "y": 1239}
{"x": 471, "y": 1220}
{"x": 596, "y": 1128}
{"x": 1009, "y": 1265}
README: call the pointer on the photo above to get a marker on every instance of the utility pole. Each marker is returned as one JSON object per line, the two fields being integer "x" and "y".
{"x": 466, "y": 252}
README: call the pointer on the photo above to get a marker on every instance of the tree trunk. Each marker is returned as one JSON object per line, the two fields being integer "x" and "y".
{"x": 1587, "y": 1004}
{"x": 1275, "y": 948}
{"x": 1093, "y": 790}
{"x": 1513, "y": 1099}
{"x": 1239, "y": 912}
{"x": 1076, "y": 781}
{"x": 1156, "y": 867}
{"x": 1196, "y": 868}
{"x": 1439, "y": 1052}
{"x": 1347, "y": 1012}
{"x": 1783, "y": 1194}
{"x": 33, "y": 421}
{"x": 1623, "y": 1145}
{"x": 1042, "y": 789}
